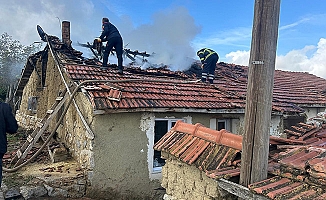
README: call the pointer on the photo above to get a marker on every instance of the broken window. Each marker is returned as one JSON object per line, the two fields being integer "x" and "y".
{"x": 32, "y": 104}
{"x": 162, "y": 126}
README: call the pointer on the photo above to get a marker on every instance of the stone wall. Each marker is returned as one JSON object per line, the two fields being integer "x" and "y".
{"x": 72, "y": 132}
{"x": 183, "y": 181}
{"x": 26, "y": 121}
{"x": 75, "y": 136}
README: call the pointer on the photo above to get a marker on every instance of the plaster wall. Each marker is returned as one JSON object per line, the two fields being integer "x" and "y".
{"x": 183, "y": 181}
{"x": 122, "y": 151}
{"x": 120, "y": 156}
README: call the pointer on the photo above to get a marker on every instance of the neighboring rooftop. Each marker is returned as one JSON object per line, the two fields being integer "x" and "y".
{"x": 297, "y": 164}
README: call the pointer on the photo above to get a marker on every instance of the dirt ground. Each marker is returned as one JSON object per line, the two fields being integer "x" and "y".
{"x": 40, "y": 169}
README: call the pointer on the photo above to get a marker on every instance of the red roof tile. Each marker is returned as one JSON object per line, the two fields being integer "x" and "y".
{"x": 228, "y": 91}
{"x": 193, "y": 145}
{"x": 296, "y": 169}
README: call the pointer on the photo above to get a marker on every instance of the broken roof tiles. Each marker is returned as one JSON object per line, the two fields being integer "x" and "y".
{"x": 154, "y": 93}
{"x": 295, "y": 170}
{"x": 183, "y": 91}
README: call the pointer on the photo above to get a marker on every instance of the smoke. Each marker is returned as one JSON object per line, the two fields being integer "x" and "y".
{"x": 168, "y": 35}
{"x": 168, "y": 38}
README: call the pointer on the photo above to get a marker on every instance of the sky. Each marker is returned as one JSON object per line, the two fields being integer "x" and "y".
{"x": 173, "y": 30}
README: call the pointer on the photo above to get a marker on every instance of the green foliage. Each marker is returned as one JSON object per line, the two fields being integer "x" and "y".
{"x": 13, "y": 56}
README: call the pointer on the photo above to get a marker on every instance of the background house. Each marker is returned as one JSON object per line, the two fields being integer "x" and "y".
{"x": 114, "y": 120}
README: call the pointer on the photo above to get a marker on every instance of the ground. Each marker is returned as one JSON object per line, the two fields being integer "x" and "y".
{"x": 39, "y": 171}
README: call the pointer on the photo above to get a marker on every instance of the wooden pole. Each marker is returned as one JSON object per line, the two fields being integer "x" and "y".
{"x": 255, "y": 147}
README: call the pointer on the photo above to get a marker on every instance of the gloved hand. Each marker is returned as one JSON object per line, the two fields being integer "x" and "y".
{"x": 98, "y": 39}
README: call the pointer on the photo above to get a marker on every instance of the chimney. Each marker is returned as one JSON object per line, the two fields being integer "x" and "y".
{"x": 66, "y": 33}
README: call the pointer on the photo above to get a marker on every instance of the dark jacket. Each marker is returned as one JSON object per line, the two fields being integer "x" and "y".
{"x": 8, "y": 124}
{"x": 109, "y": 31}
{"x": 205, "y": 53}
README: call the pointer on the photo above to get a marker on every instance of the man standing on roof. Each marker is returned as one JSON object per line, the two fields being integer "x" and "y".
{"x": 208, "y": 59}
{"x": 8, "y": 124}
{"x": 111, "y": 34}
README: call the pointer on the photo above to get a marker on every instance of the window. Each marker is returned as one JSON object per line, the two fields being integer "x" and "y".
{"x": 221, "y": 124}
{"x": 162, "y": 126}
{"x": 156, "y": 128}
{"x": 32, "y": 104}
{"x": 218, "y": 124}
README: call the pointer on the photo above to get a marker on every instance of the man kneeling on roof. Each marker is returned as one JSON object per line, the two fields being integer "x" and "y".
{"x": 208, "y": 59}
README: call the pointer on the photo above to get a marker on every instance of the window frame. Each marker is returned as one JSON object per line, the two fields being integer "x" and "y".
{"x": 214, "y": 123}
{"x": 157, "y": 174}
{"x": 170, "y": 121}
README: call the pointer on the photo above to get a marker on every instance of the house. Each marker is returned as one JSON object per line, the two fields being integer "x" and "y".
{"x": 114, "y": 120}
{"x": 202, "y": 163}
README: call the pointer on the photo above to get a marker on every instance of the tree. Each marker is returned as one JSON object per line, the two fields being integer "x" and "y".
{"x": 13, "y": 56}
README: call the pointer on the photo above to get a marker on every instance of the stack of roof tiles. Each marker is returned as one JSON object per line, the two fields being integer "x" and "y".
{"x": 297, "y": 164}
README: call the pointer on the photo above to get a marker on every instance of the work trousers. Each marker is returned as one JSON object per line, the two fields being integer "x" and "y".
{"x": 209, "y": 68}
{"x": 117, "y": 43}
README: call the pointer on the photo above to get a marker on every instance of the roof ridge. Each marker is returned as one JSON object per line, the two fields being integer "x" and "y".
{"x": 223, "y": 136}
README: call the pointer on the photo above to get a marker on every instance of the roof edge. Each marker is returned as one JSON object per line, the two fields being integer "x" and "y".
{"x": 166, "y": 110}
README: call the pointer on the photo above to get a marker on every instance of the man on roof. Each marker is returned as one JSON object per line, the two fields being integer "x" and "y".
{"x": 111, "y": 34}
{"x": 208, "y": 59}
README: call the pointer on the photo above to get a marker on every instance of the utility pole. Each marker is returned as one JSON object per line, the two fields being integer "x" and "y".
{"x": 255, "y": 145}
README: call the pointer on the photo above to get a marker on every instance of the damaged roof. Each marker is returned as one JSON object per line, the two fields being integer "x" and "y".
{"x": 297, "y": 164}
{"x": 164, "y": 90}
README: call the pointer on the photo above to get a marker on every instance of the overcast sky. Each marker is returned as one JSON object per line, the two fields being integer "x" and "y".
{"x": 175, "y": 29}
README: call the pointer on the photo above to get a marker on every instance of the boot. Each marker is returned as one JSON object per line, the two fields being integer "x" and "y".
{"x": 120, "y": 71}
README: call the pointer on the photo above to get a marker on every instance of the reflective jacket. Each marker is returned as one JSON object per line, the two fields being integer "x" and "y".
{"x": 8, "y": 124}
{"x": 205, "y": 53}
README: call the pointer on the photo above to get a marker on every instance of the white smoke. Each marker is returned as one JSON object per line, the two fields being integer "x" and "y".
{"x": 168, "y": 38}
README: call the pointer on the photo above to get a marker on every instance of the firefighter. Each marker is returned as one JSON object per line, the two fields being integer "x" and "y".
{"x": 111, "y": 34}
{"x": 208, "y": 59}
